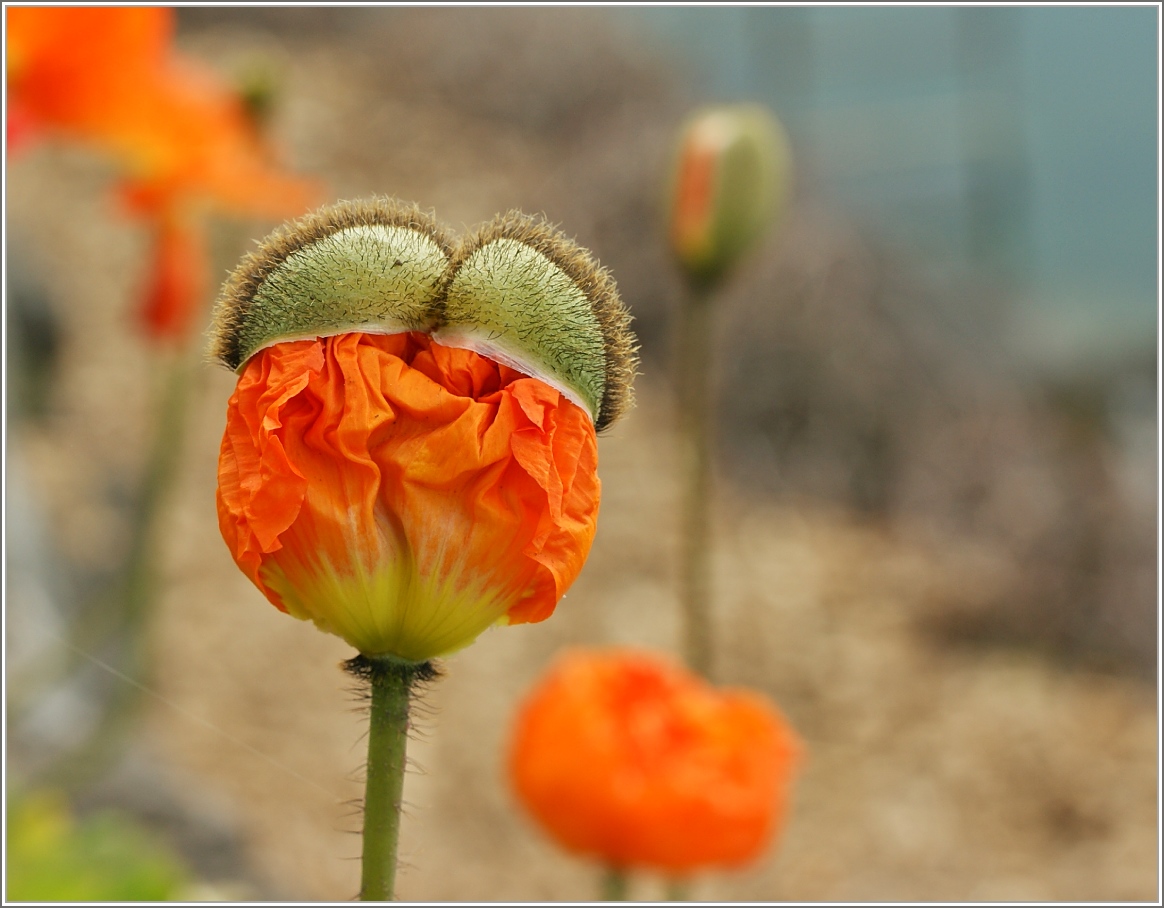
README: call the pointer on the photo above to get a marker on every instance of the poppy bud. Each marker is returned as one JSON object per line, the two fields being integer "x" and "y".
{"x": 410, "y": 453}
{"x": 730, "y": 183}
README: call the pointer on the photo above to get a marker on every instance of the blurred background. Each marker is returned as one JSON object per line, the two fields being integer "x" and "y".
{"x": 936, "y": 389}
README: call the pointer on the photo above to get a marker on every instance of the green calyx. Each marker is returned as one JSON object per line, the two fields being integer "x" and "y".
{"x": 515, "y": 290}
{"x": 368, "y": 275}
{"x": 511, "y": 303}
{"x": 374, "y": 265}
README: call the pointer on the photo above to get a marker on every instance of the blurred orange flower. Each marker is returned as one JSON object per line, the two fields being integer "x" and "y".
{"x": 405, "y": 495}
{"x": 108, "y": 77}
{"x": 625, "y": 757}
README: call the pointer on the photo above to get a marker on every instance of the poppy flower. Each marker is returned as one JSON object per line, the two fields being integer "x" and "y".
{"x": 108, "y": 77}
{"x": 730, "y": 180}
{"x": 622, "y": 756}
{"x": 396, "y": 467}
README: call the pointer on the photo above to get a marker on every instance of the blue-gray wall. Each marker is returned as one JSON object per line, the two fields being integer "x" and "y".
{"x": 1019, "y": 141}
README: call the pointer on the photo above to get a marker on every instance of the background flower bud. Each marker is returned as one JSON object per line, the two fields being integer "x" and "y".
{"x": 731, "y": 180}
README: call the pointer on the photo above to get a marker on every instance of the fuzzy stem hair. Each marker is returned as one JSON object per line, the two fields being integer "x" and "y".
{"x": 391, "y": 684}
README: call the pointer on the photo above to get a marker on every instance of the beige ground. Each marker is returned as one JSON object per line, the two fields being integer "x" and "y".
{"x": 932, "y": 774}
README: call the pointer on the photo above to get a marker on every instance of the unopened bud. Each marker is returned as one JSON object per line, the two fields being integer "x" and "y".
{"x": 731, "y": 181}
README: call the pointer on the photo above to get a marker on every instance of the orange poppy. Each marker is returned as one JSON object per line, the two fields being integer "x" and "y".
{"x": 402, "y": 494}
{"x": 107, "y": 77}
{"x": 627, "y": 758}
{"x": 83, "y": 70}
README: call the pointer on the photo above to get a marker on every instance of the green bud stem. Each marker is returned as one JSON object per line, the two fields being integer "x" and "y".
{"x": 391, "y": 691}
{"x": 115, "y": 626}
{"x": 614, "y": 885}
{"x": 695, "y": 350}
{"x": 170, "y": 425}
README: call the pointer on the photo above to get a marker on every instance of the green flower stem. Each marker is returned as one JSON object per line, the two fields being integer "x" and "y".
{"x": 169, "y": 426}
{"x": 695, "y": 348}
{"x": 124, "y": 615}
{"x": 116, "y": 627}
{"x": 391, "y": 690}
{"x": 614, "y": 885}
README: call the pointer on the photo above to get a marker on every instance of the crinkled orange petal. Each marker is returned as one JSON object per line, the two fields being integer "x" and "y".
{"x": 633, "y": 761}
{"x": 400, "y": 494}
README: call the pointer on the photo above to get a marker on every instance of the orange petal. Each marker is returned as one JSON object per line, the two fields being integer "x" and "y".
{"x": 191, "y": 136}
{"x": 20, "y": 127}
{"x": 177, "y": 283}
{"x": 377, "y": 485}
{"x": 73, "y": 68}
{"x": 691, "y": 223}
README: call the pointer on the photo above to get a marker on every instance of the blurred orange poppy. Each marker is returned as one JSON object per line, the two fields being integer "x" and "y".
{"x": 627, "y": 758}
{"x": 405, "y": 495}
{"x": 107, "y": 77}
{"x": 177, "y": 279}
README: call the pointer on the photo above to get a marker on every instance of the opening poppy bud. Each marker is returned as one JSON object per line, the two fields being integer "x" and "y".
{"x": 389, "y": 480}
{"x": 731, "y": 180}
{"x": 627, "y": 758}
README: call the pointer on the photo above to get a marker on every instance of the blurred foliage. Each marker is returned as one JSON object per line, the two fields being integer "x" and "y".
{"x": 55, "y": 857}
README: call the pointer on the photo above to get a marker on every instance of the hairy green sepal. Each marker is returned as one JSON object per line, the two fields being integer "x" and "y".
{"x": 510, "y": 302}
{"x": 370, "y": 278}
{"x": 515, "y": 290}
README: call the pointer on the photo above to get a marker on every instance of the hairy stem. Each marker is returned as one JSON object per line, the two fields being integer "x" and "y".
{"x": 391, "y": 691}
